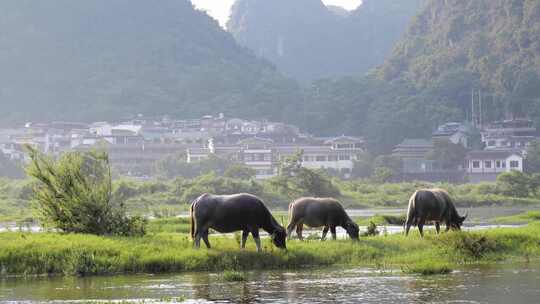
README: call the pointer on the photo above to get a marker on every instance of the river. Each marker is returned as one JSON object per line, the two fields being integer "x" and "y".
{"x": 502, "y": 283}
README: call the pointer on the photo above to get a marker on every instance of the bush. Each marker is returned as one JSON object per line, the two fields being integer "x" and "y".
{"x": 74, "y": 194}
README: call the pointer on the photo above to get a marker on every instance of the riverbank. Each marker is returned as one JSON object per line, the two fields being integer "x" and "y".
{"x": 58, "y": 254}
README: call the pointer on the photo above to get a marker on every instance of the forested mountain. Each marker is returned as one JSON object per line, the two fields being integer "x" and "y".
{"x": 450, "y": 49}
{"x": 308, "y": 40}
{"x": 495, "y": 44}
{"x": 103, "y": 59}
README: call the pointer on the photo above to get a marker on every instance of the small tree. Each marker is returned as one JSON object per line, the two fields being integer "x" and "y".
{"x": 532, "y": 160}
{"x": 240, "y": 172}
{"x": 517, "y": 184}
{"x": 447, "y": 154}
{"x": 74, "y": 194}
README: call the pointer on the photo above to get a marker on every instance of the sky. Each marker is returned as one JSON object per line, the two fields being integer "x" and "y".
{"x": 219, "y": 9}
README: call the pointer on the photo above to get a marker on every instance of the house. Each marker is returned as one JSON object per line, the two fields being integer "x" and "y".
{"x": 513, "y": 134}
{"x": 264, "y": 155}
{"x": 413, "y": 155}
{"x": 486, "y": 165}
{"x": 453, "y": 132}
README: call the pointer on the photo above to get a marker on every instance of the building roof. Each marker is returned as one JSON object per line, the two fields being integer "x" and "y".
{"x": 343, "y": 138}
{"x": 492, "y": 154}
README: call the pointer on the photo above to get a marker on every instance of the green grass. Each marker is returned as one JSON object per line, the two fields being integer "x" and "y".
{"x": 234, "y": 276}
{"x": 169, "y": 225}
{"x": 59, "y": 254}
{"x": 522, "y": 218}
{"x": 428, "y": 268}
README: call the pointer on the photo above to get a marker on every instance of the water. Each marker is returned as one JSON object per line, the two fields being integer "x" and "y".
{"x": 494, "y": 284}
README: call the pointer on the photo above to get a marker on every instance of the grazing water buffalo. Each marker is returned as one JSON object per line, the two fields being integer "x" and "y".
{"x": 319, "y": 212}
{"x": 229, "y": 213}
{"x": 432, "y": 205}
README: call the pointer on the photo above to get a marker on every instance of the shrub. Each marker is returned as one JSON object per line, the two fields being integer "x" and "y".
{"x": 234, "y": 276}
{"x": 74, "y": 194}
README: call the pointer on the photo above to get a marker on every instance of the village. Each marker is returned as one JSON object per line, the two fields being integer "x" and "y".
{"x": 134, "y": 146}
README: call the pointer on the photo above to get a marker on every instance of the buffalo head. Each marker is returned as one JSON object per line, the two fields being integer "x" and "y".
{"x": 458, "y": 222}
{"x": 278, "y": 238}
{"x": 352, "y": 230}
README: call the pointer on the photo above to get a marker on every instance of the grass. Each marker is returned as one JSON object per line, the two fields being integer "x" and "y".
{"x": 427, "y": 268}
{"x": 234, "y": 276}
{"x": 522, "y": 218}
{"x": 60, "y": 254}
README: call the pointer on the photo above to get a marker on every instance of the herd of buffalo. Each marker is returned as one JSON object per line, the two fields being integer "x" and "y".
{"x": 247, "y": 213}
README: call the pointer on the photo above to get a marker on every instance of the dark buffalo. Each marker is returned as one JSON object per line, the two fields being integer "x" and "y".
{"x": 229, "y": 213}
{"x": 434, "y": 205}
{"x": 320, "y": 212}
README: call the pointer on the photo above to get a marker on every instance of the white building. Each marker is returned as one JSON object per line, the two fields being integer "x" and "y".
{"x": 488, "y": 164}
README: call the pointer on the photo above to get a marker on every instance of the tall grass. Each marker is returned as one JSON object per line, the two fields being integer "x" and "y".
{"x": 61, "y": 254}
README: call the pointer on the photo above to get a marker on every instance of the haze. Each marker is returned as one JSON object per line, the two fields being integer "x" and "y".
{"x": 220, "y": 9}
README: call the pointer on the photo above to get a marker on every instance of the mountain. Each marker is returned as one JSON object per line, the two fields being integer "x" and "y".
{"x": 307, "y": 40}
{"x": 497, "y": 40}
{"x": 103, "y": 59}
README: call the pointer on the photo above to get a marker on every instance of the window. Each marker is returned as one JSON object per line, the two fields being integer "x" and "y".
{"x": 344, "y": 157}
{"x": 358, "y": 146}
{"x": 514, "y": 164}
{"x": 476, "y": 164}
{"x": 332, "y": 158}
{"x": 344, "y": 146}
{"x": 248, "y": 157}
{"x": 487, "y": 164}
{"x": 504, "y": 164}
{"x": 491, "y": 143}
{"x": 320, "y": 158}
{"x": 498, "y": 164}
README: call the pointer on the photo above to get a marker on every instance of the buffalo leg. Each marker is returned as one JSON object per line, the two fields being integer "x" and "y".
{"x": 205, "y": 239}
{"x": 333, "y": 231}
{"x": 447, "y": 226}
{"x": 290, "y": 228}
{"x": 196, "y": 238}
{"x": 299, "y": 228}
{"x": 245, "y": 234}
{"x": 421, "y": 227}
{"x": 438, "y": 227}
{"x": 255, "y": 233}
{"x": 324, "y": 232}
{"x": 407, "y": 227}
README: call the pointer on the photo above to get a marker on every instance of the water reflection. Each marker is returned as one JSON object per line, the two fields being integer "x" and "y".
{"x": 499, "y": 284}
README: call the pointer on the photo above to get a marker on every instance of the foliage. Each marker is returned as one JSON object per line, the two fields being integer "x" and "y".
{"x": 295, "y": 181}
{"x": 532, "y": 157}
{"x": 177, "y": 165}
{"x": 371, "y": 230}
{"x": 74, "y": 194}
{"x": 234, "y": 276}
{"x": 240, "y": 172}
{"x": 447, "y": 155}
{"x": 9, "y": 168}
{"x": 518, "y": 184}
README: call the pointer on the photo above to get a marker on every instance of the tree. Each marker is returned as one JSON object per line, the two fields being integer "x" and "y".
{"x": 517, "y": 184}
{"x": 363, "y": 166}
{"x": 74, "y": 194}
{"x": 447, "y": 154}
{"x": 9, "y": 168}
{"x": 532, "y": 158}
{"x": 240, "y": 172}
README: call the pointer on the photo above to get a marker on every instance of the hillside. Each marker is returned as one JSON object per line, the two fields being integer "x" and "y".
{"x": 308, "y": 40}
{"x": 497, "y": 40}
{"x": 104, "y": 59}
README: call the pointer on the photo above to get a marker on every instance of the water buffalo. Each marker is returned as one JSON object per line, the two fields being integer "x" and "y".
{"x": 229, "y": 213}
{"x": 432, "y": 205}
{"x": 319, "y": 212}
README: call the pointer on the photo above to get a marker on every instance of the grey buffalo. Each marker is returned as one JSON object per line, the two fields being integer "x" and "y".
{"x": 434, "y": 205}
{"x": 320, "y": 212}
{"x": 229, "y": 213}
